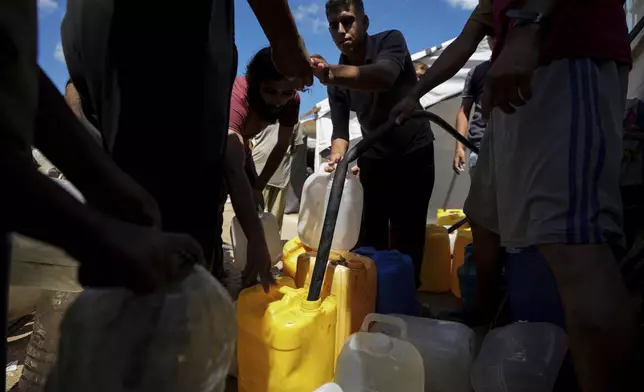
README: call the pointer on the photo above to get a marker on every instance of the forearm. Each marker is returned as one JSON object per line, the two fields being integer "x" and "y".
{"x": 339, "y": 146}
{"x": 273, "y": 161}
{"x": 277, "y": 22}
{"x": 461, "y": 127}
{"x": 67, "y": 143}
{"x": 35, "y": 206}
{"x": 241, "y": 196}
{"x": 452, "y": 59}
{"x": 363, "y": 78}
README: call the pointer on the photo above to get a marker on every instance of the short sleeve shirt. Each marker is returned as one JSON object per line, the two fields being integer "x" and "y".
{"x": 373, "y": 108}
{"x": 474, "y": 88}
{"x": 243, "y": 121}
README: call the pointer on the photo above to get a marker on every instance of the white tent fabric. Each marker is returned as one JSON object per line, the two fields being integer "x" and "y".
{"x": 447, "y": 90}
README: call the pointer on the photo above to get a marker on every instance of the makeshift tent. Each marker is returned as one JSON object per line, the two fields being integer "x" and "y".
{"x": 450, "y": 189}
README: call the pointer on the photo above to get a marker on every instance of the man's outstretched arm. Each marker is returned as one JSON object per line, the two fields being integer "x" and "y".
{"x": 451, "y": 60}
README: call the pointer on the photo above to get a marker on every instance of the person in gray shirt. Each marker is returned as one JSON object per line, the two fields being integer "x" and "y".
{"x": 473, "y": 128}
{"x": 374, "y": 72}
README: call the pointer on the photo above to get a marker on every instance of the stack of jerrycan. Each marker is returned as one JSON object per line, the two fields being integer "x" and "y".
{"x": 352, "y": 280}
{"x": 520, "y": 357}
{"x": 285, "y": 343}
{"x": 447, "y": 349}
{"x": 373, "y": 361}
{"x": 437, "y": 258}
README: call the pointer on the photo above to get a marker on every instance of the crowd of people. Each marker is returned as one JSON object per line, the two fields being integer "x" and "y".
{"x": 156, "y": 156}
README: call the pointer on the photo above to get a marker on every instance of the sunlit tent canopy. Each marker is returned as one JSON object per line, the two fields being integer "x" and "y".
{"x": 450, "y": 190}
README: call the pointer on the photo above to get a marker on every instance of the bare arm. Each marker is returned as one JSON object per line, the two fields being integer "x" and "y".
{"x": 462, "y": 119}
{"x": 373, "y": 77}
{"x": 73, "y": 100}
{"x": 277, "y": 22}
{"x": 453, "y": 58}
{"x": 66, "y": 142}
{"x": 241, "y": 192}
{"x": 37, "y": 207}
{"x": 275, "y": 157}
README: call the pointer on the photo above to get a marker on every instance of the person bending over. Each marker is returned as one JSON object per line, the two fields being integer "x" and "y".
{"x": 261, "y": 97}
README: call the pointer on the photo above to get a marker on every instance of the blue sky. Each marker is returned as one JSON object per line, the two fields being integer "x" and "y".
{"x": 424, "y": 23}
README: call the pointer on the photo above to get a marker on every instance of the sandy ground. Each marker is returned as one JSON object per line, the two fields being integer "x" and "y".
{"x": 18, "y": 343}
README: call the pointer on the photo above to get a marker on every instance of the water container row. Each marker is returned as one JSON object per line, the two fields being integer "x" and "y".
{"x": 402, "y": 353}
{"x": 444, "y": 254}
{"x": 396, "y": 352}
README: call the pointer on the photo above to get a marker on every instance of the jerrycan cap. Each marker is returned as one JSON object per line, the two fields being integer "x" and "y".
{"x": 372, "y": 342}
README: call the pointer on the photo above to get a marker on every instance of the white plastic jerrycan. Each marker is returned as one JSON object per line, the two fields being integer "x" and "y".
{"x": 330, "y": 387}
{"x": 315, "y": 197}
{"x": 271, "y": 233}
{"x": 523, "y": 357}
{"x": 375, "y": 362}
{"x": 177, "y": 339}
{"x": 447, "y": 349}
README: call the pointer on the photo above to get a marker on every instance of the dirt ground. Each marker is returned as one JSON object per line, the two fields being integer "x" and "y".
{"x": 18, "y": 342}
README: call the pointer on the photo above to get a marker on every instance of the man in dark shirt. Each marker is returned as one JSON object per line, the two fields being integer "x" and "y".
{"x": 397, "y": 174}
{"x": 472, "y": 96}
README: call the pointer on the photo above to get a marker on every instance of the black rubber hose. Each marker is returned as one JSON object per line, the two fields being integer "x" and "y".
{"x": 337, "y": 188}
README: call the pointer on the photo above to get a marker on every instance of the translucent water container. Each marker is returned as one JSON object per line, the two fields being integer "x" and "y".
{"x": 352, "y": 279}
{"x": 436, "y": 268}
{"x": 290, "y": 252}
{"x": 271, "y": 234}
{"x": 372, "y": 361}
{"x": 179, "y": 339}
{"x": 447, "y": 349}
{"x": 463, "y": 237}
{"x": 285, "y": 343}
{"x": 330, "y": 387}
{"x": 315, "y": 196}
{"x": 521, "y": 357}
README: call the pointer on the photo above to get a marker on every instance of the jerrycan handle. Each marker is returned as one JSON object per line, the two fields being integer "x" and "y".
{"x": 384, "y": 319}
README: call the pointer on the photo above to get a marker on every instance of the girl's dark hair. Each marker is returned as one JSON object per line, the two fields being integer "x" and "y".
{"x": 261, "y": 68}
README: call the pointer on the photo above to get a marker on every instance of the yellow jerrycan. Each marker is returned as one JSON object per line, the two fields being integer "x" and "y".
{"x": 284, "y": 342}
{"x": 290, "y": 252}
{"x": 447, "y": 217}
{"x": 463, "y": 237}
{"x": 352, "y": 280}
{"x": 435, "y": 273}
